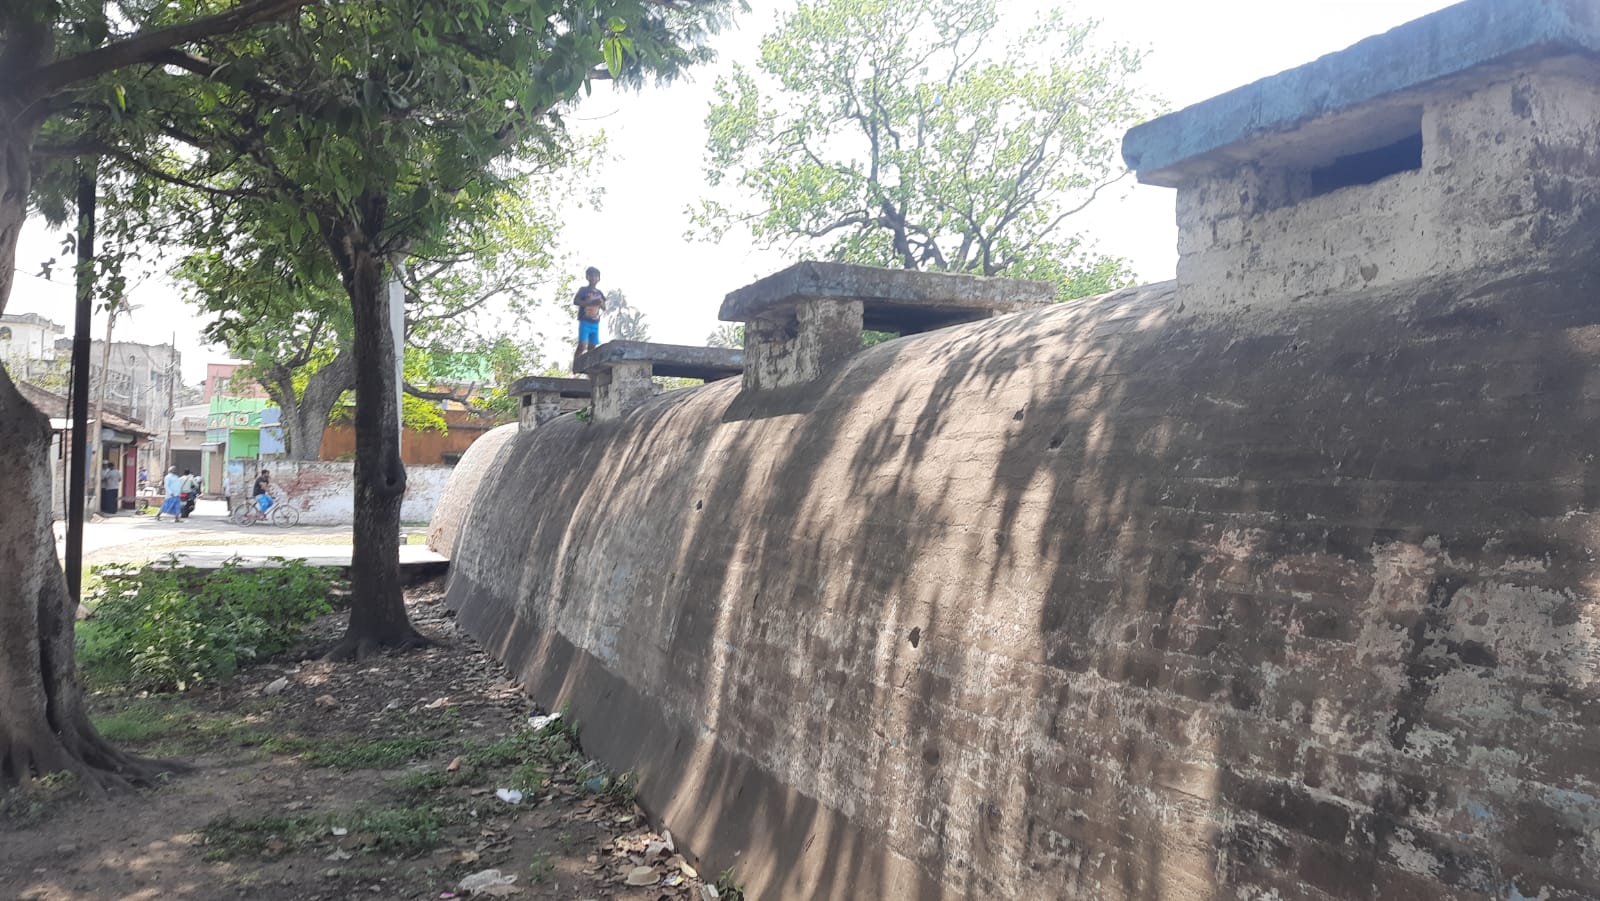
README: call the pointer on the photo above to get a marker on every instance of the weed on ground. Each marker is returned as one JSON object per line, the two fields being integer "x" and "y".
{"x": 395, "y": 777}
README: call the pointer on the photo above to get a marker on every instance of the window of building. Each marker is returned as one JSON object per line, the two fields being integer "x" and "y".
{"x": 1368, "y": 166}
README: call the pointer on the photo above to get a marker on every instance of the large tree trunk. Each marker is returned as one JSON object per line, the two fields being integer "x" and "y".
{"x": 16, "y": 142}
{"x": 305, "y": 418}
{"x": 377, "y": 610}
{"x": 44, "y": 727}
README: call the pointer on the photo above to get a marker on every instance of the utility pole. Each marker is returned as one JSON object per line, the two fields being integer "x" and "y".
{"x": 172, "y": 378}
{"x": 80, "y": 378}
{"x": 96, "y": 454}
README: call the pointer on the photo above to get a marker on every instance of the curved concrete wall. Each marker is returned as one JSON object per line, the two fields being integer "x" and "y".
{"x": 444, "y": 528}
{"x": 1109, "y": 601}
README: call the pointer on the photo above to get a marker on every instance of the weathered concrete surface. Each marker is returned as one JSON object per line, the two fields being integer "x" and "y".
{"x": 324, "y": 490}
{"x": 801, "y": 324}
{"x": 903, "y": 301}
{"x": 1477, "y": 37}
{"x": 682, "y": 361}
{"x": 456, "y": 501}
{"x": 1510, "y": 176}
{"x": 1112, "y": 600}
{"x": 549, "y": 384}
{"x": 801, "y": 343}
{"x": 546, "y": 397}
{"x": 622, "y": 372}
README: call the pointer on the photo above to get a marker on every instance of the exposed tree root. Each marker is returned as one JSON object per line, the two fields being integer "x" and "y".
{"x": 96, "y": 767}
{"x": 357, "y": 647}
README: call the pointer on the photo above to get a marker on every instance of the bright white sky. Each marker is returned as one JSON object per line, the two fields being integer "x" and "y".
{"x": 657, "y": 140}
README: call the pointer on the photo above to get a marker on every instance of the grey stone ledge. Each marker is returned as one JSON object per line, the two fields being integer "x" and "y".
{"x": 907, "y": 298}
{"x": 548, "y": 384}
{"x": 1468, "y": 36}
{"x": 670, "y": 360}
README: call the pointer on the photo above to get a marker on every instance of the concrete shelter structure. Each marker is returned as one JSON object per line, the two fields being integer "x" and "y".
{"x": 802, "y": 323}
{"x": 1460, "y": 140}
{"x": 546, "y": 397}
{"x": 622, "y": 372}
{"x": 1276, "y": 582}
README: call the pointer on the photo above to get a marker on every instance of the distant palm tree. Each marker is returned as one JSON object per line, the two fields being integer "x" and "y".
{"x": 623, "y": 322}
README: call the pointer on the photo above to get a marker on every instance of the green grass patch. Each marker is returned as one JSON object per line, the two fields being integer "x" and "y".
{"x": 143, "y": 719}
{"x": 354, "y": 753}
{"x": 391, "y": 831}
{"x": 165, "y": 628}
{"x": 524, "y": 760}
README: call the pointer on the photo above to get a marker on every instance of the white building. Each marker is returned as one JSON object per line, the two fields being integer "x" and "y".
{"x": 27, "y": 338}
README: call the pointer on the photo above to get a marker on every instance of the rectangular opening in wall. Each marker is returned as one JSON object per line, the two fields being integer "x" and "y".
{"x": 1368, "y": 166}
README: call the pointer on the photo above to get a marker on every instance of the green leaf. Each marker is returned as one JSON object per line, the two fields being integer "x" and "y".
{"x": 612, "y": 47}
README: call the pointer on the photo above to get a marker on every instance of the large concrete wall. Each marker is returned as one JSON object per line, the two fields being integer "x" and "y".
{"x": 1115, "y": 600}
{"x": 455, "y": 502}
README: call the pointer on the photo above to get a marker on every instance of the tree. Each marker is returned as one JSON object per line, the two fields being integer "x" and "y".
{"x": 291, "y": 321}
{"x": 51, "y": 53}
{"x": 368, "y": 129}
{"x": 287, "y": 320}
{"x": 624, "y": 322}
{"x": 728, "y": 334}
{"x": 915, "y": 134}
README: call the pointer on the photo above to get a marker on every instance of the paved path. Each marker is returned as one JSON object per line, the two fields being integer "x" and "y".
{"x": 207, "y": 539}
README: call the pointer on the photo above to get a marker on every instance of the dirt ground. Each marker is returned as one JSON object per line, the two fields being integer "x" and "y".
{"x": 376, "y": 779}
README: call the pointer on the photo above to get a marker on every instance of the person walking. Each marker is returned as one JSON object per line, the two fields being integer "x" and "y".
{"x": 172, "y": 502}
{"x": 110, "y": 487}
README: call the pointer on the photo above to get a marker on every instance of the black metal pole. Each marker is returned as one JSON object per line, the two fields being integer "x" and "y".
{"x": 80, "y": 380}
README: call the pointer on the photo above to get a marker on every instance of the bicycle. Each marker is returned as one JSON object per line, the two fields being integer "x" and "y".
{"x": 281, "y": 513}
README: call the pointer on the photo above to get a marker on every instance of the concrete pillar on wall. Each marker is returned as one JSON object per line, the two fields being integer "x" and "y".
{"x": 621, "y": 386}
{"x": 546, "y": 397}
{"x": 622, "y": 373}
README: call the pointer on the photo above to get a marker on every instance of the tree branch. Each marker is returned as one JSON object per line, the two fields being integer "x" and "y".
{"x": 143, "y": 47}
{"x": 414, "y": 391}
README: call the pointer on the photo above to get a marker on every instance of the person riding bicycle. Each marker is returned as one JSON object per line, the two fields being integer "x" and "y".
{"x": 263, "y": 492}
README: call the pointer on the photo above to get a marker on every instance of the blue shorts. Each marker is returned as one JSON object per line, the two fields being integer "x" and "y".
{"x": 264, "y": 502}
{"x": 588, "y": 331}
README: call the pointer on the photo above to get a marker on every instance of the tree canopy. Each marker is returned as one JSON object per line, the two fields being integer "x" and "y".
{"x": 918, "y": 134}
{"x": 350, "y": 132}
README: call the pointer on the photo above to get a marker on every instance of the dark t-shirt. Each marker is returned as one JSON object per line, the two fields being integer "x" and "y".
{"x": 261, "y": 488}
{"x": 589, "y": 300}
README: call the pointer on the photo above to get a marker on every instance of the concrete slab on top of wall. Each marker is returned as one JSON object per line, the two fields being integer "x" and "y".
{"x": 1104, "y": 601}
{"x": 1473, "y": 35}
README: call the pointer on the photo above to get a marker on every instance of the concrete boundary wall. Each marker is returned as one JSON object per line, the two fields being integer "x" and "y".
{"x": 1112, "y": 600}
{"x": 325, "y": 490}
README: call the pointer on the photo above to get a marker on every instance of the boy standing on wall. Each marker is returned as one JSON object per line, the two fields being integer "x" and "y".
{"x": 591, "y": 303}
